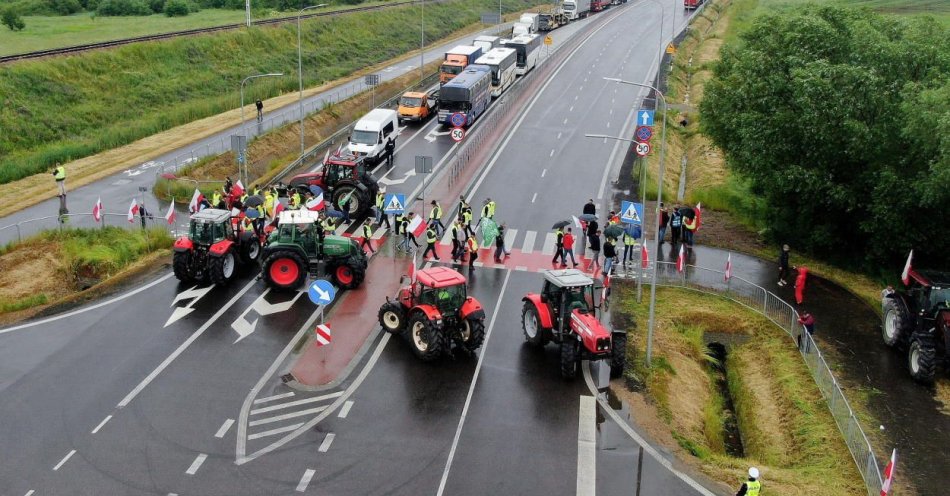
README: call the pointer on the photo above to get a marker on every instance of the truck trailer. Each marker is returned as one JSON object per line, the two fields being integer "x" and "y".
{"x": 576, "y": 9}
{"x": 456, "y": 60}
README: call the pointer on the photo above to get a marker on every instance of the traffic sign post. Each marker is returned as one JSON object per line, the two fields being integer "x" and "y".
{"x": 457, "y": 119}
{"x": 323, "y": 335}
{"x": 321, "y": 292}
{"x": 548, "y": 40}
{"x": 644, "y": 117}
{"x": 643, "y": 133}
{"x": 643, "y": 149}
{"x": 457, "y": 134}
{"x": 394, "y": 203}
{"x": 631, "y": 213}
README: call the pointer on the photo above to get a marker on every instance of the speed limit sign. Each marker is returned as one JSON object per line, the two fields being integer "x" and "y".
{"x": 643, "y": 149}
{"x": 458, "y": 134}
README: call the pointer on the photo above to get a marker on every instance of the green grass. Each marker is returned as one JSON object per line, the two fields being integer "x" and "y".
{"x": 18, "y": 304}
{"x": 100, "y": 253}
{"x": 67, "y": 108}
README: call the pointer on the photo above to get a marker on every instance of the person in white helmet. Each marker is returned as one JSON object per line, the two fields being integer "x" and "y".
{"x": 751, "y": 487}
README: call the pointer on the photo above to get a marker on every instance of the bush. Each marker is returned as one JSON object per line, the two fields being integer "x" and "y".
{"x": 12, "y": 20}
{"x": 123, "y": 8}
{"x": 65, "y": 7}
{"x": 157, "y": 6}
{"x": 176, "y": 8}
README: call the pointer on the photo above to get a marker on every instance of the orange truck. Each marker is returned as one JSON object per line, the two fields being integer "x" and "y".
{"x": 456, "y": 60}
{"x": 416, "y": 106}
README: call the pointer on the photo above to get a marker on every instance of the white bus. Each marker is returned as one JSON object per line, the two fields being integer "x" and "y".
{"x": 528, "y": 47}
{"x": 502, "y": 62}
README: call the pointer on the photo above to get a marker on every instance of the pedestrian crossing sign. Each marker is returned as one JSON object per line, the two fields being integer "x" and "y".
{"x": 394, "y": 204}
{"x": 631, "y": 213}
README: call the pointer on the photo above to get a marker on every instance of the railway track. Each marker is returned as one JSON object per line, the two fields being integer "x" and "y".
{"x": 188, "y": 32}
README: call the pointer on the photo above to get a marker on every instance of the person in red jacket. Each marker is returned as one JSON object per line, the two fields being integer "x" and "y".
{"x": 568, "y": 248}
{"x": 800, "y": 284}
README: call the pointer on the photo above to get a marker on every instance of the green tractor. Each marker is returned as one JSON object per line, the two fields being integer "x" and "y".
{"x": 299, "y": 247}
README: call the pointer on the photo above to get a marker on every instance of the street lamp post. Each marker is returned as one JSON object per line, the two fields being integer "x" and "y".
{"x": 422, "y": 47}
{"x": 300, "y": 71}
{"x": 243, "y": 82}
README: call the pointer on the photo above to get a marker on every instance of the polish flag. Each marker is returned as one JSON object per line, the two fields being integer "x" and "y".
{"x": 315, "y": 203}
{"x": 237, "y": 189}
{"x": 195, "y": 204}
{"x": 577, "y": 222}
{"x": 889, "y": 473}
{"x": 323, "y": 334}
{"x": 728, "y": 268}
{"x": 417, "y": 227}
{"x": 278, "y": 207}
{"x": 699, "y": 215}
{"x": 412, "y": 270}
{"x": 905, "y": 276}
{"x": 681, "y": 259}
{"x": 603, "y": 292}
{"x": 133, "y": 209}
{"x": 97, "y": 210}
{"x": 170, "y": 215}
{"x": 644, "y": 256}
{"x": 339, "y": 150}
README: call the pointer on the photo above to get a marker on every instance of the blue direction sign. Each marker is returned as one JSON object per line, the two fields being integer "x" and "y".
{"x": 394, "y": 203}
{"x": 644, "y": 133}
{"x": 321, "y": 292}
{"x": 457, "y": 119}
{"x": 644, "y": 117}
{"x": 631, "y": 213}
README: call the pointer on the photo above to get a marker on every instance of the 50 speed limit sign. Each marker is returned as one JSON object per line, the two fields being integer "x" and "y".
{"x": 458, "y": 134}
{"x": 643, "y": 149}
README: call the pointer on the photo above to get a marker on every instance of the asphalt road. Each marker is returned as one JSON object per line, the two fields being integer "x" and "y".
{"x": 142, "y": 395}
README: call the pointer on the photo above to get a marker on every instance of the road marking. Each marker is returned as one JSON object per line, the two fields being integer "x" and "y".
{"x": 224, "y": 428}
{"x": 551, "y": 154}
{"x": 29, "y": 493}
{"x": 299, "y": 413}
{"x": 471, "y": 388}
{"x": 534, "y": 197}
{"x": 510, "y": 237}
{"x": 272, "y": 398}
{"x": 550, "y": 242}
{"x": 608, "y": 124}
{"x": 195, "y": 465}
{"x": 327, "y": 441}
{"x": 528, "y": 244}
{"x": 184, "y": 346}
{"x": 295, "y": 403}
{"x": 611, "y": 111}
{"x": 571, "y": 109}
{"x": 86, "y": 309}
{"x": 558, "y": 135}
{"x": 244, "y": 327}
{"x": 587, "y": 447}
{"x": 274, "y": 432}
{"x": 575, "y": 98}
{"x": 346, "y": 409}
{"x": 64, "y": 460}
{"x": 194, "y": 294}
{"x": 582, "y": 88}
{"x": 565, "y": 120}
{"x": 305, "y": 480}
{"x": 521, "y": 268}
{"x": 543, "y": 172}
{"x": 109, "y": 417}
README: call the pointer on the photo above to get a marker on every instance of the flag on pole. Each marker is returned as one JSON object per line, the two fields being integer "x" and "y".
{"x": 644, "y": 256}
{"x": 195, "y": 204}
{"x": 728, "y": 268}
{"x": 606, "y": 288}
{"x": 905, "y": 276}
{"x": 315, "y": 203}
{"x": 889, "y": 474}
{"x": 681, "y": 259}
{"x": 412, "y": 270}
{"x": 339, "y": 150}
{"x": 326, "y": 157}
{"x": 97, "y": 210}
{"x": 417, "y": 227}
{"x": 323, "y": 334}
{"x": 133, "y": 209}
{"x": 237, "y": 189}
{"x": 699, "y": 215}
{"x": 170, "y": 215}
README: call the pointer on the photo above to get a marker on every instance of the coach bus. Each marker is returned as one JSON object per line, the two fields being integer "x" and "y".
{"x": 501, "y": 61}
{"x": 467, "y": 94}
{"x": 528, "y": 47}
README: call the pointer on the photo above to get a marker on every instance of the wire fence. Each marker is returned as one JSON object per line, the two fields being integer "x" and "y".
{"x": 783, "y": 315}
{"x": 30, "y": 227}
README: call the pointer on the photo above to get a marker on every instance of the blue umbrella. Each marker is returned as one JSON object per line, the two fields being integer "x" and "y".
{"x": 587, "y": 217}
{"x": 633, "y": 230}
{"x": 252, "y": 213}
{"x": 316, "y": 190}
{"x": 334, "y": 213}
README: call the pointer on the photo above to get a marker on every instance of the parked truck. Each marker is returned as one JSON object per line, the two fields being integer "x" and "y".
{"x": 456, "y": 60}
{"x": 531, "y": 20}
{"x": 486, "y": 43}
{"x": 576, "y": 9}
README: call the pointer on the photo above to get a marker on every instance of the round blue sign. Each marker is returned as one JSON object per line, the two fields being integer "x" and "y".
{"x": 321, "y": 292}
{"x": 644, "y": 133}
{"x": 457, "y": 119}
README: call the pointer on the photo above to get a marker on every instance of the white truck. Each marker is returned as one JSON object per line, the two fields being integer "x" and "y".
{"x": 486, "y": 43}
{"x": 531, "y": 20}
{"x": 576, "y": 9}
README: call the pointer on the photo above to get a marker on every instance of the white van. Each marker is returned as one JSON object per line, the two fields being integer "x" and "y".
{"x": 372, "y": 132}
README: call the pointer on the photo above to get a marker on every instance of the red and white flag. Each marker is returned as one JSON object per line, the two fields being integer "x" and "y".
{"x": 237, "y": 189}
{"x": 315, "y": 203}
{"x": 416, "y": 227}
{"x": 195, "y": 204}
{"x": 889, "y": 474}
{"x": 728, "y": 268}
{"x": 681, "y": 259}
{"x": 278, "y": 207}
{"x": 412, "y": 270}
{"x": 577, "y": 222}
{"x": 699, "y": 215}
{"x": 339, "y": 150}
{"x": 133, "y": 209}
{"x": 326, "y": 157}
{"x": 170, "y": 215}
{"x": 322, "y": 332}
{"x": 644, "y": 256}
{"x": 97, "y": 210}
{"x": 606, "y": 288}
{"x": 905, "y": 276}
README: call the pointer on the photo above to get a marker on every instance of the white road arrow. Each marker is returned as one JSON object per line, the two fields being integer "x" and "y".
{"x": 434, "y": 135}
{"x": 194, "y": 294}
{"x": 321, "y": 293}
{"x": 390, "y": 182}
{"x": 263, "y": 308}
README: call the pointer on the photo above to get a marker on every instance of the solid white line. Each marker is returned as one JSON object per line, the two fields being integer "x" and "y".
{"x": 109, "y": 417}
{"x": 305, "y": 480}
{"x": 587, "y": 447}
{"x": 346, "y": 409}
{"x": 295, "y": 403}
{"x": 273, "y": 432}
{"x": 327, "y": 441}
{"x": 272, "y": 398}
{"x": 195, "y": 465}
{"x": 64, "y": 460}
{"x": 184, "y": 346}
{"x": 224, "y": 428}
{"x": 545, "y": 171}
{"x": 471, "y": 388}
{"x": 521, "y": 268}
{"x": 86, "y": 309}
{"x": 299, "y": 413}
{"x": 528, "y": 245}
{"x": 534, "y": 197}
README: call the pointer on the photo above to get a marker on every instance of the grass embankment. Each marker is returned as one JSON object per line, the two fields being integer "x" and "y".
{"x": 65, "y": 108}
{"x": 55, "y": 266}
{"x": 786, "y": 429}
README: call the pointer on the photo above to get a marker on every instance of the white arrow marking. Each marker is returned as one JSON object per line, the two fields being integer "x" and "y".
{"x": 434, "y": 135}
{"x": 263, "y": 309}
{"x": 194, "y": 295}
{"x": 390, "y": 182}
{"x": 323, "y": 295}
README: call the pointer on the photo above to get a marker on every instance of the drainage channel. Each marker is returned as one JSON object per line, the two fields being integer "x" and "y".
{"x": 732, "y": 438}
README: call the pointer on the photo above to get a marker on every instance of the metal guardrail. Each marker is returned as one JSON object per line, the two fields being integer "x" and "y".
{"x": 783, "y": 315}
{"x": 86, "y": 221}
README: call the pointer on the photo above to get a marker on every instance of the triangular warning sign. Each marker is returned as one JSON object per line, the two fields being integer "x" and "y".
{"x": 394, "y": 204}
{"x": 630, "y": 214}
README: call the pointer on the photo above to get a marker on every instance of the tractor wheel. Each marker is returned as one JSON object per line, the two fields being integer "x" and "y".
{"x": 473, "y": 334}
{"x": 896, "y": 322}
{"x": 222, "y": 268}
{"x": 531, "y": 325}
{"x": 618, "y": 355}
{"x": 250, "y": 249}
{"x": 424, "y": 338}
{"x": 921, "y": 359}
{"x": 392, "y": 317}
{"x": 181, "y": 264}
{"x": 569, "y": 357}
{"x": 349, "y": 274}
{"x": 358, "y": 202}
{"x": 284, "y": 269}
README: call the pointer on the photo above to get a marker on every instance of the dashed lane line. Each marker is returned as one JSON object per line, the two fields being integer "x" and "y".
{"x": 195, "y": 465}
{"x": 64, "y": 460}
{"x": 534, "y": 197}
{"x": 108, "y": 417}
{"x": 345, "y": 410}
{"x": 305, "y": 480}
{"x": 327, "y": 441}
{"x": 224, "y": 428}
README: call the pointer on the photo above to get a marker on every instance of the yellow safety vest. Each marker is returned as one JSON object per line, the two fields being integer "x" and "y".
{"x": 472, "y": 244}
{"x": 491, "y": 208}
{"x": 436, "y": 212}
{"x": 60, "y": 173}
{"x": 690, "y": 224}
{"x": 752, "y": 488}
{"x": 467, "y": 216}
{"x": 431, "y": 237}
{"x": 328, "y": 224}
{"x": 295, "y": 200}
{"x": 215, "y": 200}
{"x": 379, "y": 200}
{"x": 629, "y": 240}
{"x": 367, "y": 232}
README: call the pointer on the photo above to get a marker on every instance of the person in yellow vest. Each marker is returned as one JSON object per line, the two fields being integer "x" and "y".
{"x": 751, "y": 487}
{"x": 295, "y": 201}
{"x": 472, "y": 246}
{"x": 488, "y": 209}
{"x": 367, "y": 236}
{"x": 247, "y": 224}
{"x": 328, "y": 225}
{"x": 431, "y": 238}
{"x": 435, "y": 218}
{"x": 467, "y": 220}
{"x": 269, "y": 202}
{"x": 216, "y": 199}
{"x": 629, "y": 242}
{"x": 59, "y": 174}
{"x": 689, "y": 228}
{"x": 380, "y": 215}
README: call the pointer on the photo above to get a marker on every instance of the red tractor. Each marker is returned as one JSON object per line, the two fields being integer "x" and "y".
{"x": 434, "y": 313}
{"x": 342, "y": 178}
{"x": 213, "y": 247}
{"x": 564, "y": 313}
